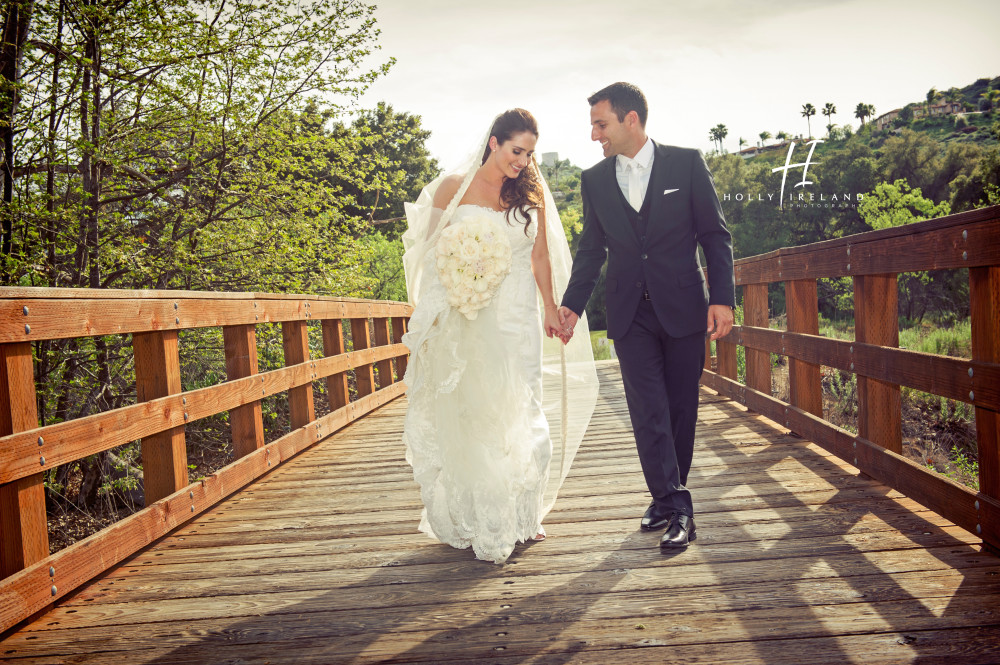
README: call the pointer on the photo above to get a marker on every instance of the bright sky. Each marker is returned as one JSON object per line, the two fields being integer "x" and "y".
{"x": 749, "y": 64}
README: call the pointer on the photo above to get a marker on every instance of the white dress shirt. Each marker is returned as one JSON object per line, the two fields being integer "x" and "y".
{"x": 633, "y": 174}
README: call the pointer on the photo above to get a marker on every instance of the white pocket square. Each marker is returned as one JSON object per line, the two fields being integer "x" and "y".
{"x": 669, "y": 191}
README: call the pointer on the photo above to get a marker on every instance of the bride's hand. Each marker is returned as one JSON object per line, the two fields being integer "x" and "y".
{"x": 553, "y": 326}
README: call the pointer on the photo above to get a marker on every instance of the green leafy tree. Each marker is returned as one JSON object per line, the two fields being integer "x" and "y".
{"x": 863, "y": 111}
{"x": 764, "y": 137}
{"x": 396, "y": 144}
{"x": 896, "y": 204}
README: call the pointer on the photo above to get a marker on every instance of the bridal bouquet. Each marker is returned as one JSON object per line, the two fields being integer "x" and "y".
{"x": 472, "y": 259}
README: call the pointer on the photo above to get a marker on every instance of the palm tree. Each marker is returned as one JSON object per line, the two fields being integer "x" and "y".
{"x": 808, "y": 110}
{"x": 828, "y": 111}
{"x": 720, "y": 131}
{"x": 764, "y": 136}
{"x": 932, "y": 96}
{"x": 862, "y": 111}
{"x": 782, "y": 135}
{"x": 713, "y": 135}
{"x": 952, "y": 94}
{"x": 743, "y": 142}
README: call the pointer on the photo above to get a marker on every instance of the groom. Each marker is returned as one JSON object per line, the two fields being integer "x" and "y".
{"x": 646, "y": 208}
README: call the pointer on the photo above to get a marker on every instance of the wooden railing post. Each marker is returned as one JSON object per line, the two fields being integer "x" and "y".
{"x": 363, "y": 376}
{"x": 385, "y": 377}
{"x": 398, "y": 330}
{"x": 708, "y": 354}
{"x": 245, "y": 422}
{"x": 158, "y": 374}
{"x": 755, "y": 314}
{"x": 802, "y": 303}
{"x": 295, "y": 338}
{"x": 876, "y": 321}
{"x": 333, "y": 345}
{"x": 725, "y": 351}
{"x": 984, "y": 301}
{"x": 24, "y": 534}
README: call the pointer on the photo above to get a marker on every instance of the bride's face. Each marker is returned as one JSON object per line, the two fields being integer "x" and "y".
{"x": 513, "y": 155}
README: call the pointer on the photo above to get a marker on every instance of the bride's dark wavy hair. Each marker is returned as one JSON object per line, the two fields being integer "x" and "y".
{"x": 523, "y": 193}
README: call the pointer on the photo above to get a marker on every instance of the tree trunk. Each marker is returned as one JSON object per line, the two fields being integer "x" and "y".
{"x": 16, "y": 21}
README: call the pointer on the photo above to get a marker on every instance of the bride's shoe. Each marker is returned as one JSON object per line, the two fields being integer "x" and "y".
{"x": 540, "y": 535}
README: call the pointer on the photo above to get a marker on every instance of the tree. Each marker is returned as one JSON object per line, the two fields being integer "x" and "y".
{"x": 862, "y": 111}
{"x": 782, "y": 135}
{"x": 764, "y": 136}
{"x": 396, "y": 144}
{"x": 16, "y": 22}
{"x": 172, "y": 145}
{"x": 989, "y": 99}
{"x": 829, "y": 110}
{"x": 808, "y": 110}
{"x": 718, "y": 133}
{"x": 932, "y": 96}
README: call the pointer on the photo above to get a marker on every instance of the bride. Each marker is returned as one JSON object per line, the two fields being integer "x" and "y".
{"x": 486, "y": 264}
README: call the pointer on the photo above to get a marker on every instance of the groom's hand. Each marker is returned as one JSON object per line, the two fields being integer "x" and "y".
{"x": 720, "y": 321}
{"x": 567, "y": 319}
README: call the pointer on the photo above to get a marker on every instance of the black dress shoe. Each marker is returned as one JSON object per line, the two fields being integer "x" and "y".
{"x": 680, "y": 532}
{"x": 652, "y": 519}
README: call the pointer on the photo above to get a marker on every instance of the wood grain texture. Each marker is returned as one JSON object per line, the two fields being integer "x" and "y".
{"x": 803, "y": 317}
{"x": 876, "y": 322}
{"x": 24, "y": 537}
{"x": 964, "y": 240}
{"x": 755, "y": 313}
{"x": 381, "y": 329}
{"x": 954, "y": 378}
{"x": 798, "y": 559}
{"x": 158, "y": 374}
{"x": 398, "y": 330}
{"x": 984, "y": 302}
{"x": 333, "y": 345}
{"x": 364, "y": 375}
{"x": 295, "y": 339}
{"x": 31, "y": 589}
{"x": 93, "y": 313}
{"x": 78, "y": 438}
{"x": 246, "y": 421}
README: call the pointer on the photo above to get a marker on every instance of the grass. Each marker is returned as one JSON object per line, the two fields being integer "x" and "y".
{"x": 601, "y": 351}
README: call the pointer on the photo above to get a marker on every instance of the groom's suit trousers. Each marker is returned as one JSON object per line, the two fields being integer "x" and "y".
{"x": 661, "y": 375}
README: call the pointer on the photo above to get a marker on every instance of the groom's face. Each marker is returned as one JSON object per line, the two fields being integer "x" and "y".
{"x": 613, "y": 135}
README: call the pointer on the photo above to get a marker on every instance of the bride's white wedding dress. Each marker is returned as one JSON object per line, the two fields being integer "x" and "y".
{"x": 475, "y": 432}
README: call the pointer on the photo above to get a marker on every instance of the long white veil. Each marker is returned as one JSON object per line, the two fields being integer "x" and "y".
{"x": 570, "y": 383}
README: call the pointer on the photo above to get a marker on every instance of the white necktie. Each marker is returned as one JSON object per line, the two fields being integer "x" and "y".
{"x": 634, "y": 186}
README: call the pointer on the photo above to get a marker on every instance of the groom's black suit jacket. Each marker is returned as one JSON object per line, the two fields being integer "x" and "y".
{"x": 662, "y": 258}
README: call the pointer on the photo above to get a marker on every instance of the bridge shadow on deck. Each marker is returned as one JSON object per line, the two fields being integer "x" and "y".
{"x": 798, "y": 560}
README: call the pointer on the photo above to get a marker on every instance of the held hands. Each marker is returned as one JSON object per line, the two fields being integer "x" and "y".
{"x": 567, "y": 321}
{"x": 720, "y": 321}
{"x": 554, "y": 326}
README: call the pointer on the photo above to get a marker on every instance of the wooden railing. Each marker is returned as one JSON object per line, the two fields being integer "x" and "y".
{"x": 31, "y": 578}
{"x": 968, "y": 240}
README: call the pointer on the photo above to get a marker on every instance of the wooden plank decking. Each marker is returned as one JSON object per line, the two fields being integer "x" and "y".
{"x": 798, "y": 560}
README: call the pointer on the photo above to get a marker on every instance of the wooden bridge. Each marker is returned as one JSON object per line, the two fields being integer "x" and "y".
{"x": 815, "y": 545}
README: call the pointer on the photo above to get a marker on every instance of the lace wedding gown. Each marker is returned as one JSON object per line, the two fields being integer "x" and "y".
{"x": 475, "y": 432}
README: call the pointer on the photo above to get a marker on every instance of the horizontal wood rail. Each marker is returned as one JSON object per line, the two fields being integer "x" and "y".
{"x": 967, "y": 240}
{"x": 31, "y": 578}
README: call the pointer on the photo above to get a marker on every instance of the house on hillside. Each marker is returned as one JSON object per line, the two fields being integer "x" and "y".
{"x": 947, "y": 108}
{"x": 884, "y": 120}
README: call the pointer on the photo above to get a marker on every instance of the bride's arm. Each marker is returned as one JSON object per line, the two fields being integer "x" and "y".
{"x": 442, "y": 197}
{"x": 541, "y": 268}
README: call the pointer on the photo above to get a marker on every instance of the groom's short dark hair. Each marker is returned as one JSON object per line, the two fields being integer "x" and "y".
{"x": 623, "y": 97}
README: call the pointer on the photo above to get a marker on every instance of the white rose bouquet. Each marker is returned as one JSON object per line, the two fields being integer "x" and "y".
{"x": 472, "y": 259}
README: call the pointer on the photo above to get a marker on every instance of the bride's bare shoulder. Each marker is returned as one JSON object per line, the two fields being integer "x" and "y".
{"x": 446, "y": 191}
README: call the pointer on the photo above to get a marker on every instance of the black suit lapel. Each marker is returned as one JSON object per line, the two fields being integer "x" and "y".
{"x": 609, "y": 204}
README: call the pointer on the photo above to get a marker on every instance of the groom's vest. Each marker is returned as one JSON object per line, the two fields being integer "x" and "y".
{"x": 639, "y": 219}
